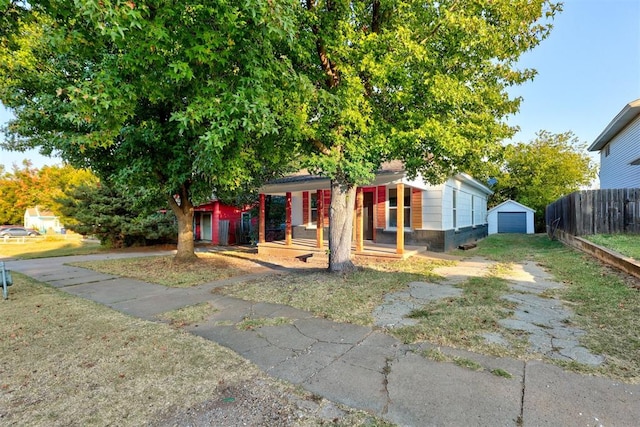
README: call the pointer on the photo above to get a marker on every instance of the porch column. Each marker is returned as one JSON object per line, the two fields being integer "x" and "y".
{"x": 359, "y": 220}
{"x": 261, "y": 220}
{"x": 215, "y": 226}
{"x": 320, "y": 216}
{"x": 400, "y": 219}
{"x": 287, "y": 231}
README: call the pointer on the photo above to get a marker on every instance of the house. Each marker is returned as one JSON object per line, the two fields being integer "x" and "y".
{"x": 619, "y": 147}
{"x": 441, "y": 217}
{"x": 511, "y": 217}
{"x": 41, "y": 219}
{"x": 221, "y": 224}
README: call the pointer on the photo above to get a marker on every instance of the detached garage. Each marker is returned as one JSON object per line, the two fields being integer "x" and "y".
{"x": 510, "y": 217}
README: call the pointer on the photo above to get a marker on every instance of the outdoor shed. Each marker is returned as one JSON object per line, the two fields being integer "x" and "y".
{"x": 511, "y": 217}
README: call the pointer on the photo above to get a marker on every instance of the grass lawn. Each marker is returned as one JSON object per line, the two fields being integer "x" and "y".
{"x": 625, "y": 244}
{"x": 67, "y": 361}
{"x": 605, "y": 302}
{"x": 163, "y": 270}
{"x": 48, "y": 246}
{"x": 344, "y": 298}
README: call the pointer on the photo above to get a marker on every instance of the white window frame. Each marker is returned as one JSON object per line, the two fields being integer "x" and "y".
{"x": 454, "y": 210}
{"x": 313, "y": 196}
{"x": 407, "y": 207}
{"x": 473, "y": 210}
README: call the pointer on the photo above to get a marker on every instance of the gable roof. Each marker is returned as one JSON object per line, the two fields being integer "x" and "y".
{"x": 511, "y": 202}
{"x": 39, "y": 212}
{"x": 619, "y": 122}
{"x": 389, "y": 173}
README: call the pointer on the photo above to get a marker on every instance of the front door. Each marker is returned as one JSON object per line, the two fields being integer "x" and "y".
{"x": 205, "y": 226}
{"x": 367, "y": 213}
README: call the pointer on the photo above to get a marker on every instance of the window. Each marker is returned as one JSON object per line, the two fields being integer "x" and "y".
{"x": 455, "y": 209}
{"x": 636, "y": 162}
{"x": 313, "y": 208}
{"x": 393, "y": 207}
{"x": 473, "y": 210}
{"x": 607, "y": 150}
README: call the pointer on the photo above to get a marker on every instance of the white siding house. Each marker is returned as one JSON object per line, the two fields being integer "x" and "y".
{"x": 619, "y": 147}
{"x": 442, "y": 217}
{"x": 41, "y": 219}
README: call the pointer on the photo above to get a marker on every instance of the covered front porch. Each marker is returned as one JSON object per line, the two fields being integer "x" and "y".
{"x": 306, "y": 205}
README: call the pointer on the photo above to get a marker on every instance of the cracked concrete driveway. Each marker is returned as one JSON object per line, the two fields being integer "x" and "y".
{"x": 544, "y": 318}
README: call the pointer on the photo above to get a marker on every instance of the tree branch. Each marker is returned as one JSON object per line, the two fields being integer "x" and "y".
{"x": 333, "y": 77}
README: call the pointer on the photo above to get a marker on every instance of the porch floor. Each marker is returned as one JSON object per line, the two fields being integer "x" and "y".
{"x": 299, "y": 247}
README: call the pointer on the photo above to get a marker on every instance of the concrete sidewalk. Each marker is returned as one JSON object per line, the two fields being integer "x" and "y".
{"x": 362, "y": 367}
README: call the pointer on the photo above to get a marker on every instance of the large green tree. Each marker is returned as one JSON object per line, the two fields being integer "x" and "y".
{"x": 28, "y": 186}
{"x": 118, "y": 215}
{"x": 422, "y": 82}
{"x": 543, "y": 170}
{"x": 186, "y": 97}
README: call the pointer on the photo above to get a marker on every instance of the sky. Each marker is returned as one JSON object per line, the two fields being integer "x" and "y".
{"x": 588, "y": 70}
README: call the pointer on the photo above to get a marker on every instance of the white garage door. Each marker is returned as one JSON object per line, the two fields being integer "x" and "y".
{"x": 512, "y": 222}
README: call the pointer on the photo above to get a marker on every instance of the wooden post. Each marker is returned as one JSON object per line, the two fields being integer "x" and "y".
{"x": 215, "y": 223}
{"x": 287, "y": 231}
{"x": 400, "y": 219}
{"x": 375, "y": 214}
{"x": 359, "y": 220}
{"x": 320, "y": 217}
{"x": 261, "y": 221}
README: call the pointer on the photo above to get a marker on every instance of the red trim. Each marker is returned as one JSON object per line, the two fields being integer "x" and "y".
{"x": 381, "y": 207}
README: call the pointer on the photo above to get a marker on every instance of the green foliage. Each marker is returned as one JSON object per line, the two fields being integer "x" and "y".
{"x": 188, "y": 98}
{"x": 28, "y": 187}
{"x": 540, "y": 172}
{"x": 118, "y": 216}
{"x": 421, "y": 82}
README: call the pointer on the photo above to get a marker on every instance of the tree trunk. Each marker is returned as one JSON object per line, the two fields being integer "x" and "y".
{"x": 184, "y": 214}
{"x": 341, "y": 227}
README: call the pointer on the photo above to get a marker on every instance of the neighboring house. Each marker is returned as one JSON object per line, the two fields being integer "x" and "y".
{"x": 221, "y": 224}
{"x": 442, "y": 217}
{"x": 511, "y": 217}
{"x": 42, "y": 220}
{"x": 619, "y": 147}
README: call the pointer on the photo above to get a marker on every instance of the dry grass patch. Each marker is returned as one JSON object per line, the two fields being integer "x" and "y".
{"x": 164, "y": 270}
{"x": 461, "y": 322}
{"x": 343, "y": 298}
{"x": 68, "y": 361}
{"x": 188, "y": 315}
{"x": 49, "y": 246}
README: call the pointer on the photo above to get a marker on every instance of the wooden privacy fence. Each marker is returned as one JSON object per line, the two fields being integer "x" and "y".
{"x": 596, "y": 212}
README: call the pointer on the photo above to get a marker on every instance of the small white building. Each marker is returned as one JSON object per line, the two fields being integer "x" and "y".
{"x": 42, "y": 220}
{"x": 511, "y": 217}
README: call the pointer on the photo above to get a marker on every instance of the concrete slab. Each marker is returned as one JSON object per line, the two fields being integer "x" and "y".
{"x": 115, "y": 290}
{"x": 89, "y": 277}
{"x": 286, "y": 336}
{"x": 149, "y": 307}
{"x": 351, "y": 385}
{"x": 374, "y": 352}
{"x": 305, "y": 365}
{"x": 554, "y": 397}
{"x": 328, "y": 331}
{"x": 66, "y": 272}
{"x": 427, "y": 393}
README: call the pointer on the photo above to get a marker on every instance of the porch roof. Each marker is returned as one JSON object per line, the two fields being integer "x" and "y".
{"x": 389, "y": 173}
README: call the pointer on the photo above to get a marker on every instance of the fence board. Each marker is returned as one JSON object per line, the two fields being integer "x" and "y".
{"x": 607, "y": 211}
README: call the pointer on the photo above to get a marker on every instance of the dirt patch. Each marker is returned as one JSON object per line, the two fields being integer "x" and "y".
{"x": 256, "y": 403}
